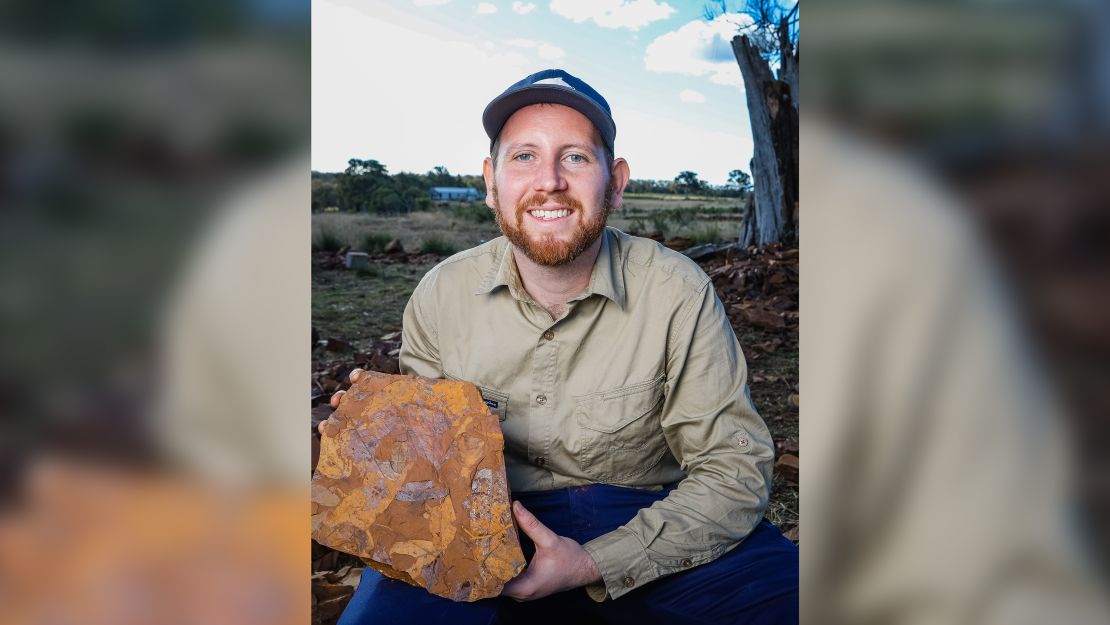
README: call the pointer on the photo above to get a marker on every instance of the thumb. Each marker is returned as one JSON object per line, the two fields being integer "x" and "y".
{"x": 535, "y": 530}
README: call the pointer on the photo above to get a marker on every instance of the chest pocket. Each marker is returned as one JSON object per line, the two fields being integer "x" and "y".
{"x": 496, "y": 401}
{"x": 619, "y": 434}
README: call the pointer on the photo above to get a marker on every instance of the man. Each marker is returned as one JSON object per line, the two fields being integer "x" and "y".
{"x": 640, "y": 468}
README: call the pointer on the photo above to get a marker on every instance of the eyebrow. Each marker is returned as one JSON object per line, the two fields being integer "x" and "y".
{"x": 588, "y": 147}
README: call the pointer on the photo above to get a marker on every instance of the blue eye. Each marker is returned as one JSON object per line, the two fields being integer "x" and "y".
{"x": 523, "y": 157}
{"x": 576, "y": 158}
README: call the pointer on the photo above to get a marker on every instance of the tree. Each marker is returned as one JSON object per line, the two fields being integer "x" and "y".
{"x": 358, "y": 183}
{"x": 770, "y": 40}
{"x": 440, "y": 177}
{"x": 740, "y": 179}
{"x": 687, "y": 182}
{"x": 359, "y": 167}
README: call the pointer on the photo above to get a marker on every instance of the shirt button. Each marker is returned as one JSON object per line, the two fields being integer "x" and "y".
{"x": 541, "y": 461}
{"x": 629, "y": 582}
{"x": 687, "y": 562}
{"x": 547, "y": 336}
{"x": 541, "y": 399}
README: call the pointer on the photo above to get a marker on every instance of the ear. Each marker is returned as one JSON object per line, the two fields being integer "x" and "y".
{"x": 618, "y": 180}
{"x": 487, "y": 173}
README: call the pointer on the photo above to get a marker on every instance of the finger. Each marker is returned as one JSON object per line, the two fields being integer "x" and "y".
{"x": 334, "y": 401}
{"x": 355, "y": 375}
{"x": 535, "y": 530}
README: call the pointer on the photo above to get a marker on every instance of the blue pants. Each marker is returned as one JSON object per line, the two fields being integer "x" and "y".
{"x": 756, "y": 583}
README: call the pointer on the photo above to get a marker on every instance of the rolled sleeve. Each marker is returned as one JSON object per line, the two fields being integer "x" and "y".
{"x": 721, "y": 442}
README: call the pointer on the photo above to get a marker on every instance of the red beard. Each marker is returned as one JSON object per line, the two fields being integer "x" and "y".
{"x": 548, "y": 250}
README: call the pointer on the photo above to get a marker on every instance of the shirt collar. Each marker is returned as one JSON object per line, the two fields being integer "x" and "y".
{"x": 606, "y": 279}
{"x": 503, "y": 273}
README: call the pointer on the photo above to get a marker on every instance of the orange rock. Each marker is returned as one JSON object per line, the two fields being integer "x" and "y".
{"x": 411, "y": 478}
{"x": 787, "y": 467}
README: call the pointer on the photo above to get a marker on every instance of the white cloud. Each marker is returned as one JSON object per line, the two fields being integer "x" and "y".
{"x": 550, "y": 52}
{"x": 543, "y": 50}
{"x": 419, "y": 122}
{"x": 689, "y": 95}
{"x": 630, "y": 14}
{"x": 430, "y": 3}
{"x": 700, "y": 48}
{"x": 485, "y": 8}
{"x": 523, "y": 8}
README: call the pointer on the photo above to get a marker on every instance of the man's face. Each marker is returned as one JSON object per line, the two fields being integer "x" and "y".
{"x": 552, "y": 189}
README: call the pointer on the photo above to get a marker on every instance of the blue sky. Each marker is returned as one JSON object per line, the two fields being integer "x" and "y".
{"x": 405, "y": 82}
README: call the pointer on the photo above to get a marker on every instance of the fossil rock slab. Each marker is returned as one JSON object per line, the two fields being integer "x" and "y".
{"x": 411, "y": 478}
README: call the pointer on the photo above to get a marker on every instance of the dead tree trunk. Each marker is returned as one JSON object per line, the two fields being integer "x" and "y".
{"x": 788, "y": 71}
{"x": 772, "y": 110}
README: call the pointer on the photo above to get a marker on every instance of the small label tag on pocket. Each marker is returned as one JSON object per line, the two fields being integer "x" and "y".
{"x": 491, "y": 403}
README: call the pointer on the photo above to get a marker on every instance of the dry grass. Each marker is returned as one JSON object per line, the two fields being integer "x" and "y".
{"x": 704, "y": 219}
{"x": 412, "y": 229}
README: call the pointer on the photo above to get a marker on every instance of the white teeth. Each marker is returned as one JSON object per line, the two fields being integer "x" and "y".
{"x": 547, "y": 215}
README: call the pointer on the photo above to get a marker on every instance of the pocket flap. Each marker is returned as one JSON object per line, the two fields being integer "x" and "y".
{"x": 612, "y": 410}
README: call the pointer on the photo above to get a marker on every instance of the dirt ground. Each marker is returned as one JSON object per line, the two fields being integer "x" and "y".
{"x": 356, "y": 318}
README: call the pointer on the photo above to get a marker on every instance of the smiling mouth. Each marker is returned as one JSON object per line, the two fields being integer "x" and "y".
{"x": 549, "y": 215}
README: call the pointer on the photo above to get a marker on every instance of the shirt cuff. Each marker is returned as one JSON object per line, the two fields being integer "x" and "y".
{"x": 623, "y": 562}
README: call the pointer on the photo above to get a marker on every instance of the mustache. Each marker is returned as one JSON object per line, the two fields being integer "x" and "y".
{"x": 539, "y": 199}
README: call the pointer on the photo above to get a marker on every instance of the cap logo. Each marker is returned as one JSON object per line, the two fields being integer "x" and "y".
{"x": 553, "y": 81}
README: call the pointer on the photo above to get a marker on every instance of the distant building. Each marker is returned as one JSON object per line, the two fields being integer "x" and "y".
{"x": 444, "y": 194}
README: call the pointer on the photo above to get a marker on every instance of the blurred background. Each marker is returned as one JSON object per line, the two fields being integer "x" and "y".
{"x": 955, "y": 310}
{"x": 153, "y": 164}
{"x": 154, "y": 302}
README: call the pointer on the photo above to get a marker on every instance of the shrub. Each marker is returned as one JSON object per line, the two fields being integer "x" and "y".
{"x": 438, "y": 246}
{"x": 659, "y": 222}
{"x": 473, "y": 211}
{"x": 681, "y": 217}
{"x": 706, "y": 233}
{"x": 326, "y": 240}
{"x": 375, "y": 241}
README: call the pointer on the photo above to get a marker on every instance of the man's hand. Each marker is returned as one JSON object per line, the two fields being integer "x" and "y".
{"x": 559, "y": 564}
{"x": 338, "y": 396}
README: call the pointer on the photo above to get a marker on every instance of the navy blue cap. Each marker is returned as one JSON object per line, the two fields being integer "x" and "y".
{"x": 556, "y": 86}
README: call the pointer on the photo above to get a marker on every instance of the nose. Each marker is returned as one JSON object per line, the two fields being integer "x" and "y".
{"x": 549, "y": 177}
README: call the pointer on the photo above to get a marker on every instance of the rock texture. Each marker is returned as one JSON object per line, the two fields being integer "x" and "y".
{"x": 411, "y": 478}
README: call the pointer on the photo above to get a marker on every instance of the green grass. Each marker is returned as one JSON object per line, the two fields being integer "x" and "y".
{"x": 476, "y": 212}
{"x": 326, "y": 240}
{"x": 706, "y": 233}
{"x": 438, "y": 245}
{"x": 360, "y": 307}
{"x": 375, "y": 241}
{"x": 660, "y": 222}
{"x": 682, "y": 217}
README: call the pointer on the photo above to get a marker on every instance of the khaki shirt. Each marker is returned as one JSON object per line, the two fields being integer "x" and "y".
{"x": 641, "y": 384}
